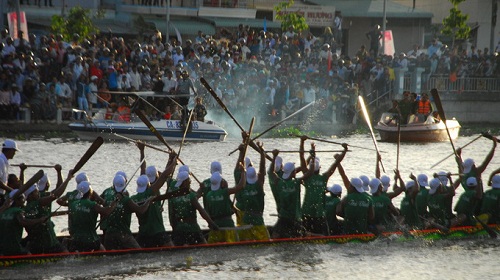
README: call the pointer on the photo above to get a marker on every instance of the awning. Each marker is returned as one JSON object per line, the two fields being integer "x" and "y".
{"x": 185, "y": 27}
{"x": 104, "y": 25}
{"x": 234, "y": 22}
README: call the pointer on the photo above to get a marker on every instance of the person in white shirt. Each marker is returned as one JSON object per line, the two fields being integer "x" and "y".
{"x": 135, "y": 78}
{"x": 64, "y": 92}
{"x": 169, "y": 81}
{"x": 9, "y": 48}
{"x": 9, "y": 149}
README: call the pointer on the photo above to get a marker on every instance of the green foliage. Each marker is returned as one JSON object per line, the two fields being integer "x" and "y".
{"x": 142, "y": 26}
{"x": 77, "y": 21}
{"x": 455, "y": 24}
{"x": 290, "y": 19}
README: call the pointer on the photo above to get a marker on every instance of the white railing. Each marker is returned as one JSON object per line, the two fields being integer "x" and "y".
{"x": 465, "y": 84}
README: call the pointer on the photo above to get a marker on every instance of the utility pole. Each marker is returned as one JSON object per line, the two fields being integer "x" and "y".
{"x": 384, "y": 19}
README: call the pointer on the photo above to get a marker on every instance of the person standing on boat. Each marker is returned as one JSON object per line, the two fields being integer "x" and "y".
{"x": 383, "y": 207}
{"x": 331, "y": 202}
{"x": 289, "y": 224}
{"x": 184, "y": 85}
{"x": 200, "y": 110}
{"x": 491, "y": 199}
{"x": 313, "y": 206}
{"x": 82, "y": 219}
{"x": 9, "y": 149}
{"x": 182, "y": 214}
{"x": 424, "y": 107}
{"x": 406, "y": 107}
{"x": 12, "y": 222}
{"x": 219, "y": 207}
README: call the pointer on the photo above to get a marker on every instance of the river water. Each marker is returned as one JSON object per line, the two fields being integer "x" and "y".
{"x": 381, "y": 259}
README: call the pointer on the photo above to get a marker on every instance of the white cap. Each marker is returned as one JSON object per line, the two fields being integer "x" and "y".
{"x": 81, "y": 177}
{"x": 123, "y": 174}
{"x": 251, "y": 175}
{"x": 443, "y": 177}
{"x": 93, "y": 78}
{"x": 151, "y": 172}
{"x": 495, "y": 182}
{"x": 422, "y": 180}
{"x": 366, "y": 182}
{"x": 278, "y": 162}
{"x": 181, "y": 177}
{"x": 42, "y": 183}
{"x": 10, "y": 144}
{"x": 468, "y": 163}
{"x": 374, "y": 185}
{"x": 386, "y": 182}
{"x": 248, "y": 162}
{"x": 434, "y": 184}
{"x": 316, "y": 164}
{"x": 288, "y": 168}
{"x": 83, "y": 188}
{"x": 119, "y": 183}
{"x": 472, "y": 182}
{"x": 184, "y": 168}
{"x": 335, "y": 189}
{"x": 31, "y": 189}
{"x": 13, "y": 192}
{"x": 142, "y": 183}
{"x": 410, "y": 184}
{"x": 215, "y": 166}
{"x": 357, "y": 184}
{"x": 215, "y": 181}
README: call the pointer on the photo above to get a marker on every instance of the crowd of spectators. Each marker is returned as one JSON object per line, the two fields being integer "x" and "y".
{"x": 269, "y": 74}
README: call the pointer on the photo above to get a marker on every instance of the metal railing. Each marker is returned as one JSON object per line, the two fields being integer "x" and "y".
{"x": 464, "y": 84}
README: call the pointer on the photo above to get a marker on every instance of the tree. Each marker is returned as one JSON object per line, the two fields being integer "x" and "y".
{"x": 455, "y": 24}
{"x": 290, "y": 19}
{"x": 78, "y": 21}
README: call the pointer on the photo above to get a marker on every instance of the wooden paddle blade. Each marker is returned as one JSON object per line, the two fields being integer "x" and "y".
{"x": 248, "y": 140}
{"x": 88, "y": 154}
{"x": 489, "y": 230}
{"x": 439, "y": 105}
{"x": 28, "y": 184}
{"x": 151, "y": 128}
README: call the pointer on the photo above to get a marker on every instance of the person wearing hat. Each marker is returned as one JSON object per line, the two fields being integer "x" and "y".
{"x": 313, "y": 206}
{"x": 215, "y": 166}
{"x": 438, "y": 203}
{"x": 490, "y": 204}
{"x": 383, "y": 207}
{"x": 184, "y": 85}
{"x": 12, "y": 222}
{"x": 9, "y": 149}
{"x": 421, "y": 198}
{"x": 331, "y": 202}
{"x": 92, "y": 93}
{"x": 445, "y": 178}
{"x": 277, "y": 167}
{"x": 182, "y": 214}
{"x": 289, "y": 224}
{"x": 67, "y": 198}
{"x": 468, "y": 166}
{"x": 108, "y": 196}
{"x": 408, "y": 208}
{"x": 219, "y": 207}
{"x": 82, "y": 219}
{"x": 42, "y": 237}
{"x": 468, "y": 202}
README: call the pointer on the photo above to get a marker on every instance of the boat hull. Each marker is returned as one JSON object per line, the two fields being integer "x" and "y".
{"x": 170, "y": 130}
{"x": 419, "y": 132}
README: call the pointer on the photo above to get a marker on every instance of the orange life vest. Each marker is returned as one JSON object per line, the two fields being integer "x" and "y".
{"x": 424, "y": 107}
{"x": 124, "y": 112}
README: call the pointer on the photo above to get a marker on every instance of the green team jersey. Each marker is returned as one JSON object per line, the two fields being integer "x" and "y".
{"x": 491, "y": 205}
{"x": 252, "y": 197}
{"x": 83, "y": 219}
{"x": 437, "y": 204}
{"x": 119, "y": 220}
{"x": 421, "y": 201}
{"x": 183, "y": 213}
{"x": 314, "y": 197}
{"x": 289, "y": 199}
{"x": 72, "y": 196}
{"x": 219, "y": 207}
{"x": 356, "y": 211}
{"x": 274, "y": 186}
{"x": 472, "y": 173}
{"x": 409, "y": 211}
{"x": 11, "y": 232}
{"x": 151, "y": 222}
{"x": 331, "y": 203}
{"x": 43, "y": 235}
{"x": 205, "y": 191}
{"x": 239, "y": 204}
{"x": 466, "y": 204}
{"x": 108, "y": 195}
{"x": 381, "y": 206}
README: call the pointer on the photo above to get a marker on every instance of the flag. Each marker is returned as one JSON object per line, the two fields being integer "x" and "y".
{"x": 177, "y": 33}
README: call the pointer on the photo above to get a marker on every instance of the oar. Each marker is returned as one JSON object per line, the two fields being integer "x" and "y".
{"x": 88, "y": 154}
{"x": 277, "y": 124}
{"x": 487, "y": 228}
{"x": 145, "y": 144}
{"x": 436, "y": 225}
{"x": 439, "y": 105}
{"x": 368, "y": 122}
{"x": 333, "y": 142}
{"x": 448, "y": 156}
{"x": 28, "y": 184}
{"x": 34, "y": 165}
{"x": 185, "y": 132}
{"x": 297, "y": 151}
{"x": 399, "y": 141}
{"x": 145, "y": 120}
{"x": 223, "y": 106}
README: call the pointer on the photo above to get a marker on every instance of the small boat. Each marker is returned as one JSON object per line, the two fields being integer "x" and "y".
{"x": 428, "y": 234}
{"x": 109, "y": 122}
{"x": 429, "y": 130}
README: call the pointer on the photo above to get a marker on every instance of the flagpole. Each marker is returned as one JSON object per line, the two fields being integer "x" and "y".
{"x": 384, "y": 19}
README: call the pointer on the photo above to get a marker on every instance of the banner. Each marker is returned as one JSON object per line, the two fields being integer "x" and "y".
{"x": 389, "y": 43}
{"x": 315, "y": 16}
{"x": 12, "y": 21}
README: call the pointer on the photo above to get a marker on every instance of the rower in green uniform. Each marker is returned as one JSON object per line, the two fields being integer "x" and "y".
{"x": 182, "y": 213}
{"x": 289, "y": 224}
{"x": 421, "y": 198}
{"x": 331, "y": 202}
{"x": 445, "y": 178}
{"x": 42, "y": 238}
{"x": 118, "y": 234}
{"x": 109, "y": 195}
{"x": 383, "y": 207}
{"x": 82, "y": 218}
{"x": 438, "y": 204}
{"x": 72, "y": 195}
{"x": 12, "y": 222}
{"x": 219, "y": 207}
{"x": 313, "y": 206}
{"x": 215, "y": 166}
{"x": 276, "y": 166}
{"x": 491, "y": 200}
{"x": 252, "y": 197}
{"x": 408, "y": 206}
{"x": 468, "y": 201}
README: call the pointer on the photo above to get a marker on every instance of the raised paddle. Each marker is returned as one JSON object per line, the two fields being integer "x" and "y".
{"x": 399, "y": 140}
{"x": 448, "y": 156}
{"x": 297, "y": 151}
{"x": 145, "y": 144}
{"x": 333, "y": 142}
{"x": 439, "y": 105}
{"x": 28, "y": 184}
{"x": 277, "y": 124}
{"x": 368, "y": 122}
{"x": 185, "y": 131}
{"x": 88, "y": 154}
{"x": 34, "y": 165}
